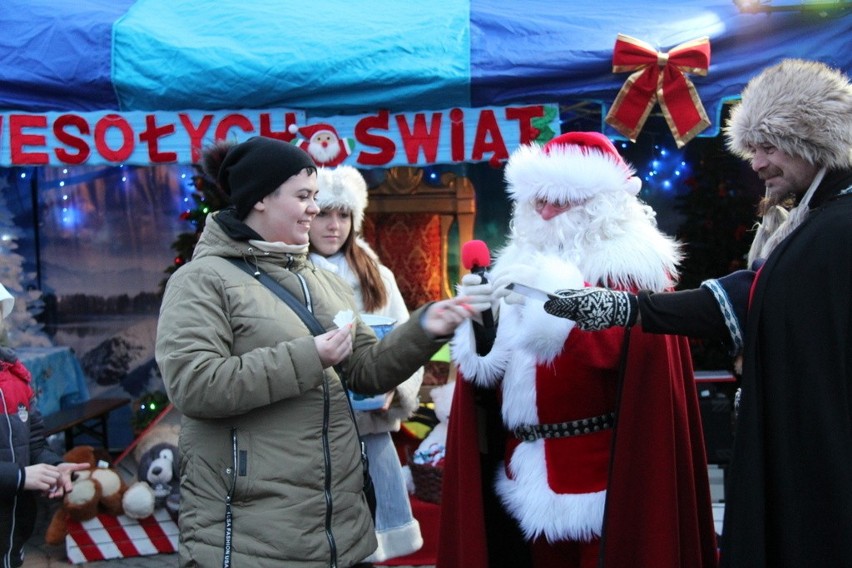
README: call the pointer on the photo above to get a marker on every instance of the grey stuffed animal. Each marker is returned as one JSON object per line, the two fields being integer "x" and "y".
{"x": 158, "y": 485}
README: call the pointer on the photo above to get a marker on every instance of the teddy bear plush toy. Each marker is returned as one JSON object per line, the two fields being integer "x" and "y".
{"x": 96, "y": 490}
{"x": 158, "y": 483}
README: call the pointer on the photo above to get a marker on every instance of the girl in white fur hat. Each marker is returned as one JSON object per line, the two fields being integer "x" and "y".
{"x": 337, "y": 246}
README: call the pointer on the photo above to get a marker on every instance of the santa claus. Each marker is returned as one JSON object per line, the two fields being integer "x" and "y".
{"x": 324, "y": 145}
{"x": 603, "y": 457}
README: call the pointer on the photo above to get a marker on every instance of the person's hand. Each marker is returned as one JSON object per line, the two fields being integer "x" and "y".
{"x": 481, "y": 295}
{"x": 594, "y": 309}
{"x": 334, "y": 346}
{"x": 42, "y": 477}
{"x": 387, "y": 404}
{"x": 510, "y": 297}
{"x": 478, "y": 294}
{"x": 527, "y": 272}
{"x": 443, "y": 317}
{"x": 65, "y": 483}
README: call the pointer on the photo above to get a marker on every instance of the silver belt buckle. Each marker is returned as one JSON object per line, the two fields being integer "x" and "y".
{"x": 526, "y": 433}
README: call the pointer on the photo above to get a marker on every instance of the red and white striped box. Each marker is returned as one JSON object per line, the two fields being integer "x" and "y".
{"x": 108, "y": 536}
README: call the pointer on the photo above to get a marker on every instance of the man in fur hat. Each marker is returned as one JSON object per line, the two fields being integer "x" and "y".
{"x": 598, "y": 466}
{"x": 789, "y": 500}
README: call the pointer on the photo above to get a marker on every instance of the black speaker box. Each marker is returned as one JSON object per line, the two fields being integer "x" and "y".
{"x": 717, "y": 418}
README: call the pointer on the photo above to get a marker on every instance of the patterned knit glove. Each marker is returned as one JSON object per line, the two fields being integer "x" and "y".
{"x": 594, "y": 309}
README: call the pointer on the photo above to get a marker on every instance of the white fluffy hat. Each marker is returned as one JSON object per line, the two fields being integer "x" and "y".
{"x": 343, "y": 187}
{"x": 801, "y": 107}
{"x": 573, "y": 167}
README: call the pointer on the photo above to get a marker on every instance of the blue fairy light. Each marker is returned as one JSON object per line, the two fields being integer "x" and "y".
{"x": 70, "y": 217}
{"x": 665, "y": 171}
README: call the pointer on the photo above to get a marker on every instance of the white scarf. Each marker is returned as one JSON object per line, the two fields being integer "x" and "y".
{"x": 768, "y": 237}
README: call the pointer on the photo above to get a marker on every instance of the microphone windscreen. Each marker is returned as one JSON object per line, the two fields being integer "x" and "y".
{"x": 475, "y": 253}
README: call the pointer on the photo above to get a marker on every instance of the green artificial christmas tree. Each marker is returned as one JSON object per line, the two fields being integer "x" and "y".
{"x": 207, "y": 198}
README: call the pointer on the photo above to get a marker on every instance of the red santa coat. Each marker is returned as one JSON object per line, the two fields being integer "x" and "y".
{"x": 658, "y": 509}
{"x": 556, "y": 486}
{"x": 642, "y": 486}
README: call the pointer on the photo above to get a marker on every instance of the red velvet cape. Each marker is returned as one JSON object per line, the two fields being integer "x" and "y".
{"x": 658, "y": 510}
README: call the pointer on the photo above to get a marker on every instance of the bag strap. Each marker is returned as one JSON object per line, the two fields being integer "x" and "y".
{"x": 286, "y": 295}
{"x": 306, "y": 316}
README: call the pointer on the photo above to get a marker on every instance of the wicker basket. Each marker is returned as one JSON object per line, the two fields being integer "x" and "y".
{"x": 427, "y": 481}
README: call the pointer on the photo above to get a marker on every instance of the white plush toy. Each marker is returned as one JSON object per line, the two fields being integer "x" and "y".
{"x": 431, "y": 450}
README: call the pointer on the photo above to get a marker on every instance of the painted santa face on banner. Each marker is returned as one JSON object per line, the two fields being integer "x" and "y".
{"x": 324, "y": 146}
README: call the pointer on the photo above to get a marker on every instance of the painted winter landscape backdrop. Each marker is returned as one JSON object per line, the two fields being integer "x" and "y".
{"x": 85, "y": 250}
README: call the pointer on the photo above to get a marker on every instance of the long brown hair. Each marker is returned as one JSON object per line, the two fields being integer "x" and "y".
{"x": 366, "y": 268}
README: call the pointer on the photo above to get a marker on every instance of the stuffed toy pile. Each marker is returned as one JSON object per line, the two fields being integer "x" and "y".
{"x": 96, "y": 490}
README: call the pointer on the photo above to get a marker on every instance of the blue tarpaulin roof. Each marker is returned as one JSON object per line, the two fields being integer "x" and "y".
{"x": 332, "y": 57}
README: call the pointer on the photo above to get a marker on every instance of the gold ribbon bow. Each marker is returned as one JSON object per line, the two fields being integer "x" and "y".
{"x": 659, "y": 76}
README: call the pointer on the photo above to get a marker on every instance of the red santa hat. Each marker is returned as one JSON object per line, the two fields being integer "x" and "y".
{"x": 573, "y": 167}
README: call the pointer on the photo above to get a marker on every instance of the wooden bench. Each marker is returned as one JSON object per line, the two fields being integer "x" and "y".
{"x": 88, "y": 417}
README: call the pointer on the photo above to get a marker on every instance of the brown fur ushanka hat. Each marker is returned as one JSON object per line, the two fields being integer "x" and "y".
{"x": 802, "y": 107}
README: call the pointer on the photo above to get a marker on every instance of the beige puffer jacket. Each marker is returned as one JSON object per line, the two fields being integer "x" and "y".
{"x": 262, "y": 421}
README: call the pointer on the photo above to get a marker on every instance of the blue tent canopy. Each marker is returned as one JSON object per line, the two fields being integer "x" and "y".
{"x": 330, "y": 57}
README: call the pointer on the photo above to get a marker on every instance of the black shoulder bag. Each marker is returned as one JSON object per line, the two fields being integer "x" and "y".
{"x": 317, "y": 329}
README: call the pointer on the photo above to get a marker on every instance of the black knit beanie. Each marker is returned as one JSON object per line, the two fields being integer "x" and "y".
{"x": 255, "y": 168}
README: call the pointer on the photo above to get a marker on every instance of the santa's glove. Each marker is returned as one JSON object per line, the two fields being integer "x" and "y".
{"x": 500, "y": 291}
{"x": 482, "y": 295}
{"x": 594, "y": 309}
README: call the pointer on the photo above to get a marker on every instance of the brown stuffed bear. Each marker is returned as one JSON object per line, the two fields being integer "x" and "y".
{"x": 96, "y": 490}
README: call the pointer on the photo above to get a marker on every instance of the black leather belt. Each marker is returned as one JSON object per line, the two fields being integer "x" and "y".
{"x": 579, "y": 427}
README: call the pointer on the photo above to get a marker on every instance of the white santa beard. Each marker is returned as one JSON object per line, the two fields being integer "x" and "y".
{"x": 324, "y": 153}
{"x": 612, "y": 238}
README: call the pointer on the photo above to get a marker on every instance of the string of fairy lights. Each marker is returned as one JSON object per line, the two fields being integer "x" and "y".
{"x": 664, "y": 172}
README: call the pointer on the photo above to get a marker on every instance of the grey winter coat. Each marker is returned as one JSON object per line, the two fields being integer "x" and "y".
{"x": 264, "y": 425}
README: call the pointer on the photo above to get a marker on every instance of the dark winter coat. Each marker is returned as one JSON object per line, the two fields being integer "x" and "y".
{"x": 789, "y": 486}
{"x": 21, "y": 423}
{"x": 263, "y": 422}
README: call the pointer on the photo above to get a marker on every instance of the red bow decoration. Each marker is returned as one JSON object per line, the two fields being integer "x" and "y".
{"x": 659, "y": 76}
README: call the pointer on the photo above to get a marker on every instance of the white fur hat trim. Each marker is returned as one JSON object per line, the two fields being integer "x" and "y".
{"x": 566, "y": 174}
{"x": 343, "y": 188}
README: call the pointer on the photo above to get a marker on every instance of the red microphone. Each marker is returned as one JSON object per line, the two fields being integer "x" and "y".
{"x": 476, "y": 258}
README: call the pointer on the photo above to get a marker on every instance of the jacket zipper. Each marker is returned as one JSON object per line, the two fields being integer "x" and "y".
{"x": 7, "y": 556}
{"x": 229, "y": 518}
{"x": 329, "y": 503}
